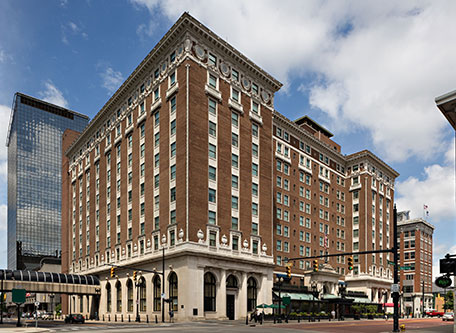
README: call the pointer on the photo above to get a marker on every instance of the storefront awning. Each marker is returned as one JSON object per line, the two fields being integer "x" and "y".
{"x": 297, "y": 296}
{"x": 329, "y": 296}
{"x": 359, "y": 299}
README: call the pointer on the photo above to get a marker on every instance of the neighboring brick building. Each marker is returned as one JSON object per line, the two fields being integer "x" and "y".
{"x": 190, "y": 153}
{"x": 415, "y": 239}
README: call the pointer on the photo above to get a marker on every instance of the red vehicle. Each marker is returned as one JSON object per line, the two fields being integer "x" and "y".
{"x": 434, "y": 313}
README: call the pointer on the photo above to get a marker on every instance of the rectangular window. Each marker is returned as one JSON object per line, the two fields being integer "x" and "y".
{"x": 255, "y": 107}
{"x": 254, "y": 149}
{"x": 156, "y": 94}
{"x": 234, "y": 140}
{"x": 234, "y": 223}
{"x": 234, "y": 75}
{"x": 234, "y": 181}
{"x": 212, "y": 173}
{"x": 172, "y": 78}
{"x": 212, "y": 151}
{"x": 212, "y": 107}
{"x": 157, "y": 118}
{"x": 173, "y": 104}
{"x": 212, "y": 59}
{"x": 234, "y": 202}
{"x": 235, "y": 94}
{"x": 157, "y": 160}
{"x": 212, "y": 238}
{"x": 212, "y": 128}
{"x": 213, "y": 81}
{"x": 172, "y": 171}
{"x": 173, "y": 194}
{"x": 254, "y": 189}
{"x": 234, "y": 160}
{"x": 212, "y": 217}
{"x": 255, "y": 130}
{"x": 157, "y": 139}
{"x": 173, "y": 127}
{"x": 234, "y": 119}
{"x": 172, "y": 216}
{"x": 255, "y": 169}
{"x": 254, "y": 209}
{"x": 212, "y": 195}
{"x": 173, "y": 149}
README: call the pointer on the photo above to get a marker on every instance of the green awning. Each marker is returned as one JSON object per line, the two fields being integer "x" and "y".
{"x": 298, "y": 296}
{"x": 359, "y": 299}
{"x": 329, "y": 296}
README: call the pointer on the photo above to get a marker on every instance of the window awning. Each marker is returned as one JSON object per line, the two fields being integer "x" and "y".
{"x": 359, "y": 299}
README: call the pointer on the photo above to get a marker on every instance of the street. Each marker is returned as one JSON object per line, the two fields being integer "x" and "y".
{"x": 371, "y": 326}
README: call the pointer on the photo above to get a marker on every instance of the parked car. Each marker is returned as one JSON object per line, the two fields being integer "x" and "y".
{"x": 449, "y": 316}
{"x": 435, "y": 313}
{"x": 74, "y": 318}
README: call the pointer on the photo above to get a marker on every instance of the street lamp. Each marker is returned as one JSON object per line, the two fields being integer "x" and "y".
{"x": 279, "y": 281}
{"x": 138, "y": 285}
{"x": 51, "y": 296}
{"x": 314, "y": 293}
{"x": 385, "y": 294}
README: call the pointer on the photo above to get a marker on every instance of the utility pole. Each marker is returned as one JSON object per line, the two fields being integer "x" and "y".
{"x": 396, "y": 275}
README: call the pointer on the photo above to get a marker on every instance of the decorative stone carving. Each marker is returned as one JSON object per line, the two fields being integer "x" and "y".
{"x": 112, "y": 255}
{"x": 123, "y": 251}
{"x": 224, "y": 69}
{"x": 187, "y": 45}
{"x": 200, "y": 235}
{"x": 246, "y": 83}
{"x": 245, "y": 244}
{"x": 181, "y": 234}
{"x": 163, "y": 239}
{"x": 200, "y": 53}
{"x": 224, "y": 240}
{"x": 264, "y": 248}
{"x": 135, "y": 248}
{"x": 148, "y": 243}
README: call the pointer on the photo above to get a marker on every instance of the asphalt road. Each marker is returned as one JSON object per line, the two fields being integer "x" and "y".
{"x": 349, "y": 326}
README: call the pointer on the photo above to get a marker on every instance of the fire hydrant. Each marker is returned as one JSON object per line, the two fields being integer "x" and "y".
{"x": 402, "y": 327}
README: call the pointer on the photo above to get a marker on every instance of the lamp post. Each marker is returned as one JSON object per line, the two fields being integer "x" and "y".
{"x": 279, "y": 281}
{"x": 314, "y": 293}
{"x": 51, "y": 296}
{"x": 138, "y": 285}
{"x": 385, "y": 294}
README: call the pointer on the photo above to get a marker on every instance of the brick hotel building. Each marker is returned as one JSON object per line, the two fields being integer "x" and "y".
{"x": 190, "y": 160}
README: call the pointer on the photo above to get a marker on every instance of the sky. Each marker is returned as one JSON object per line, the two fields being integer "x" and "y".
{"x": 369, "y": 71}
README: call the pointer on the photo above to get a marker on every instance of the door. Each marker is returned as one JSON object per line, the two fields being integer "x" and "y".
{"x": 230, "y": 307}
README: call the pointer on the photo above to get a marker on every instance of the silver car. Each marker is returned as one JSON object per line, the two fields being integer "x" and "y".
{"x": 448, "y": 316}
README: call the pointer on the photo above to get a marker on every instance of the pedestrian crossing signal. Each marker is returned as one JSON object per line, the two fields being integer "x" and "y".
{"x": 315, "y": 265}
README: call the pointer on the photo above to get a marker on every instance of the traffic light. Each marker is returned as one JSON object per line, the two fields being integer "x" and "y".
{"x": 315, "y": 265}
{"x": 134, "y": 276}
{"x": 113, "y": 272}
{"x": 350, "y": 263}
{"x": 289, "y": 271}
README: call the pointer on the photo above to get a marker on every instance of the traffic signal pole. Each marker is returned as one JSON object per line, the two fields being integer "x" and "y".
{"x": 396, "y": 273}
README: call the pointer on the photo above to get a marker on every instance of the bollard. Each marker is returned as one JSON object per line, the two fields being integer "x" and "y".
{"x": 247, "y": 320}
{"x": 156, "y": 319}
{"x": 103, "y": 317}
{"x": 299, "y": 319}
{"x": 109, "y": 317}
{"x": 121, "y": 317}
{"x": 129, "y": 319}
{"x": 115, "y": 317}
{"x": 147, "y": 318}
{"x": 274, "y": 319}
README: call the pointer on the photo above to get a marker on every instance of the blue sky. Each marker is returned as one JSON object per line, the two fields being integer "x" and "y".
{"x": 368, "y": 71}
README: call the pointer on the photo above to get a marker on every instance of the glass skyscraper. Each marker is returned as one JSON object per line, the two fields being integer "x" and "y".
{"x": 34, "y": 144}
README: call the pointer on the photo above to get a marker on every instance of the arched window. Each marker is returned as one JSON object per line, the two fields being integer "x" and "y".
{"x": 231, "y": 282}
{"x": 157, "y": 293}
{"x": 129, "y": 296}
{"x": 142, "y": 294}
{"x": 209, "y": 292}
{"x": 251, "y": 294}
{"x": 108, "y": 297}
{"x": 118, "y": 297}
{"x": 173, "y": 290}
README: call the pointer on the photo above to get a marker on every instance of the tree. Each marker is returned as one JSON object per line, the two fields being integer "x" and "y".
{"x": 449, "y": 301}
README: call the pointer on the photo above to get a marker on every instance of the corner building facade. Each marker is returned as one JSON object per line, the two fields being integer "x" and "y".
{"x": 183, "y": 164}
{"x": 177, "y": 164}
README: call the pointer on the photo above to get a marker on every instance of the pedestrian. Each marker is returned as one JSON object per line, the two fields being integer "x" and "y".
{"x": 333, "y": 314}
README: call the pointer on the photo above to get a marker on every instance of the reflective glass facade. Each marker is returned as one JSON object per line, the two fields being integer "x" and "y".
{"x": 34, "y": 179}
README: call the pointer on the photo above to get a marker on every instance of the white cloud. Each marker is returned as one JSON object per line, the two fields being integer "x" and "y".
{"x": 72, "y": 28}
{"x": 378, "y": 65}
{"x": 435, "y": 189}
{"x": 111, "y": 79}
{"x": 53, "y": 95}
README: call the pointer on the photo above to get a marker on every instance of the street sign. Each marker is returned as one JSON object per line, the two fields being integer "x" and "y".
{"x": 394, "y": 288}
{"x": 404, "y": 268}
{"x": 448, "y": 265}
{"x": 18, "y": 296}
{"x": 443, "y": 281}
{"x": 286, "y": 300}
{"x": 37, "y": 303}
{"x": 390, "y": 262}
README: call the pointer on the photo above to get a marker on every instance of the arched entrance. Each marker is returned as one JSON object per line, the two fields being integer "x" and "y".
{"x": 231, "y": 292}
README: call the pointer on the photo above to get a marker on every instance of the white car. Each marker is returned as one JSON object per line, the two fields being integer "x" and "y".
{"x": 448, "y": 316}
